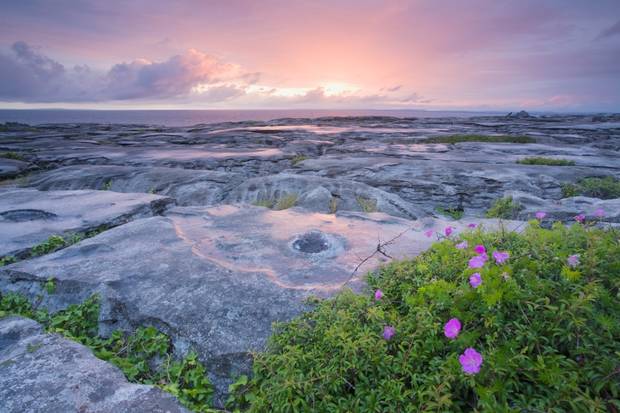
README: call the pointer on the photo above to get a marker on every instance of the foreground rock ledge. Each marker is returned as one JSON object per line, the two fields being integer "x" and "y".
{"x": 215, "y": 279}
{"x": 46, "y": 373}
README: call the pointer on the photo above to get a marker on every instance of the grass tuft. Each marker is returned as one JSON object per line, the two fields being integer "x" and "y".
{"x": 606, "y": 187}
{"x": 451, "y": 139}
{"x": 541, "y": 160}
{"x": 504, "y": 208}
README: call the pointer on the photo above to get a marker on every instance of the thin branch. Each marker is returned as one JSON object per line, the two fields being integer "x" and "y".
{"x": 380, "y": 249}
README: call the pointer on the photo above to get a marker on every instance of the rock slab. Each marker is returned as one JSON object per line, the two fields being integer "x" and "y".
{"x": 45, "y": 373}
{"x": 28, "y": 217}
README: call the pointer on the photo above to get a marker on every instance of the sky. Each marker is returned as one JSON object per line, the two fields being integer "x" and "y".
{"x": 537, "y": 55}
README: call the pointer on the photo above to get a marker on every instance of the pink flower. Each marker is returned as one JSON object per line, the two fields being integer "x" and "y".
{"x": 472, "y": 225}
{"x": 540, "y": 215}
{"x": 429, "y": 233}
{"x": 580, "y": 218}
{"x": 378, "y": 295}
{"x": 388, "y": 332}
{"x": 470, "y": 361}
{"x": 461, "y": 245}
{"x": 448, "y": 231}
{"x": 477, "y": 261}
{"x": 479, "y": 249}
{"x": 599, "y": 213}
{"x": 475, "y": 280}
{"x": 573, "y": 261}
{"x": 500, "y": 256}
{"x": 452, "y": 328}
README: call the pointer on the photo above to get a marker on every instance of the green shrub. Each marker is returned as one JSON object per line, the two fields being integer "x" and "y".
{"x": 53, "y": 243}
{"x": 137, "y": 354}
{"x": 451, "y": 139}
{"x": 367, "y": 204}
{"x": 12, "y": 155}
{"x": 285, "y": 202}
{"x": 454, "y": 213}
{"x": 298, "y": 158}
{"x": 548, "y": 334}
{"x": 504, "y": 208}
{"x": 606, "y": 187}
{"x": 541, "y": 160}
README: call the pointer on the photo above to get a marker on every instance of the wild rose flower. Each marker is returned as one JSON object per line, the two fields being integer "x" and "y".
{"x": 540, "y": 215}
{"x": 479, "y": 249}
{"x": 475, "y": 280}
{"x": 470, "y": 361}
{"x": 599, "y": 213}
{"x": 378, "y": 295}
{"x": 477, "y": 261}
{"x": 461, "y": 245}
{"x": 573, "y": 261}
{"x": 472, "y": 225}
{"x": 388, "y": 332}
{"x": 429, "y": 233}
{"x": 500, "y": 256}
{"x": 580, "y": 218}
{"x": 448, "y": 231}
{"x": 452, "y": 328}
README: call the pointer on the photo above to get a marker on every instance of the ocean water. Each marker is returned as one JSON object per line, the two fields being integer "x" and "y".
{"x": 193, "y": 117}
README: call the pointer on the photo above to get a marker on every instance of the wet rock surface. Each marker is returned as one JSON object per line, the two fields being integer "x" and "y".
{"x": 28, "y": 216}
{"x": 270, "y": 213}
{"x": 43, "y": 373}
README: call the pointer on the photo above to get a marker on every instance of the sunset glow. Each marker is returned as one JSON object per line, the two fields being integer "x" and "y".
{"x": 480, "y": 54}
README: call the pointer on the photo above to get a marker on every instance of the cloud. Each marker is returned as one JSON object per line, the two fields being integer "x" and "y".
{"x": 29, "y": 76}
{"x": 610, "y": 31}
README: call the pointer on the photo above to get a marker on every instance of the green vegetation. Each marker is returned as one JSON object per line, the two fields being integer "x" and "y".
{"x": 541, "y": 160}
{"x": 451, "y": 139}
{"x": 367, "y": 204}
{"x": 12, "y": 155}
{"x": 454, "y": 213}
{"x": 136, "y": 354}
{"x": 53, "y": 243}
{"x": 6, "y": 260}
{"x": 545, "y": 325}
{"x": 108, "y": 185}
{"x": 298, "y": 158}
{"x": 16, "y": 127}
{"x": 504, "y": 208}
{"x": 333, "y": 205}
{"x": 286, "y": 201}
{"x": 606, "y": 187}
{"x": 267, "y": 203}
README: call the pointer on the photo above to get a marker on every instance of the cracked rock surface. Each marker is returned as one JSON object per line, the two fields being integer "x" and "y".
{"x": 269, "y": 213}
{"x": 42, "y": 373}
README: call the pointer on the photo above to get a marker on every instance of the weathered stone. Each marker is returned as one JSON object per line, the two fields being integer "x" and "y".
{"x": 28, "y": 217}
{"x": 10, "y": 168}
{"x": 188, "y": 187}
{"x": 215, "y": 279}
{"x": 45, "y": 373}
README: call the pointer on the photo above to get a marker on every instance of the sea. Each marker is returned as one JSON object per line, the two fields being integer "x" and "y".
{"x": 194, "y": 117}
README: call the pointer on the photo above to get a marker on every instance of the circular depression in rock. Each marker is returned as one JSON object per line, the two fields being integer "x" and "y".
{"x": 311, "y": 243}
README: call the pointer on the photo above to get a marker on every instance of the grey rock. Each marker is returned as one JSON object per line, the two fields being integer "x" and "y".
{"x": 312, "y": 193}
{"x": 188, "y": 187}
{"x": 215, "y": 279}
{"x": 28, "y": 216}
{"x": 566, "y": 209}
{"x": 10, "y": 168}
{"x": 45, "y": 373}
